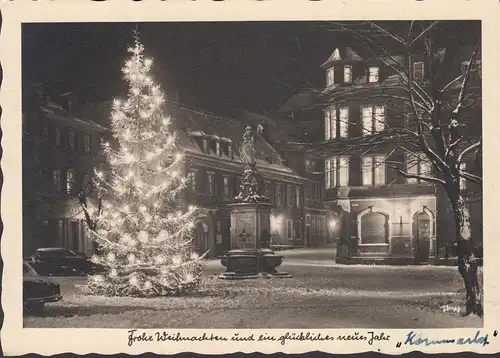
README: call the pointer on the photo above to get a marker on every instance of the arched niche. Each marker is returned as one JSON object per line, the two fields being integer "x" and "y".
{"x": 374, "y": 227}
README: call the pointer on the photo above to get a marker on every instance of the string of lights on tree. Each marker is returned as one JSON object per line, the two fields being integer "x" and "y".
{"x": 145, "y": 235}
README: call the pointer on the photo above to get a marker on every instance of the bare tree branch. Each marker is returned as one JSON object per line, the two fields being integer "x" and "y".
{"x": 470, "y": 148}
{"x": 425, "y": 31}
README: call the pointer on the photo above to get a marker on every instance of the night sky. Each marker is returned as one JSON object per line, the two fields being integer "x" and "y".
{"x": 215, "y": 66}
{"x": 219, "y": 67}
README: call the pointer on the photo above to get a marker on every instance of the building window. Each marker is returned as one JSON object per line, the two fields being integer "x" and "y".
{"x": 289, "y": 229}
{"x": 289, "y": 195}
{"x": 86, "y": 183}
{"x": 211, "y": 183}
{"x": 297, "y": 196}
{"x": 418, "y": 70}
{"x": 205, "y": 145}
{"x": 87, "y": 144}
{"x": 56, "y": 180}
{"x": 217, "y": 148}
{"x": 57, "y": 136}
{"x": 60, "y": 227}
{"x": 372, "y": 119}
{"x": 373, "y": 169}
{"x": 337, "y": 172}
{"x": 192, "y": 181}
{"x": 347, "y": 73}
{"x": 344, "y": 122}
{"x": 417, "y": 164}
{"x": 70, "y": 181}
{"x": 230, "y": 150}
{"x": 373, "y": 74}
{"x": 475, "y": 68}
{"x": 72, "y": 140}
{"x": 267, "y": 189}
{"x": 463, "y": 181}
{"x": 45, "y": 133}
{"x": 330, "y": 124}
{"x": 225, "y": 190}
{"x": 279, "y": 194}
{"x": 329, "y": 77}
{"x": 331, "y": 120}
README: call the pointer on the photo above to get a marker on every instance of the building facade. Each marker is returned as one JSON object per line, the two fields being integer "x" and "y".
{"x": 60, "y": 151}
{"x": 211, "y": 147}
{"x": 376, "y": 213}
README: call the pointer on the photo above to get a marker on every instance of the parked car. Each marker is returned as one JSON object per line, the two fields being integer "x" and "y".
{"x": 38, "y": 290}
{"x": 56, "y": 261}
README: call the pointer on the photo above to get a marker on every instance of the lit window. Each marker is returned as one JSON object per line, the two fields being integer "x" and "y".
{"x": 70, "y": 181}
{"x": 417, "y": 164}
{"x": 337, "y": 172}
{"x": 418, "y": 70}
{"x": 297, "y": 196}
{"x": 373, "y": 170}
{"x": 289, "y": 229}
{"x": 331, "y": 124}
{"x": 373, "y": 74}
{"x": 225, "y": 192}
{"x": 347, "y": 73}
{"x": 329, "y": 77}
{"x": 367, "y": 119}
{"x": 372, "y": 119}
{"x": 344, "y": 122}
{"x": 217, "y": 148}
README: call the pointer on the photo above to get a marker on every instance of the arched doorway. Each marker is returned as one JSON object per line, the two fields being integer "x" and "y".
{"x": 422, "y": 233}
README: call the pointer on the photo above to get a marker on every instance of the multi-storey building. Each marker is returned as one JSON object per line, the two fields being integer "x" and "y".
{"x": 60, "y": 151}
{"x": 375, "y": 212}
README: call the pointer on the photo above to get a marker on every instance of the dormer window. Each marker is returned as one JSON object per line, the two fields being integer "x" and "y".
{"x": 373, "y": 74}
{"x": 418, "y": 70}
{"x": 329, "y": 77}
{"x": 218, "y": 148}
{"x": 205, "y": 145}
{"x": 347, "y": 74}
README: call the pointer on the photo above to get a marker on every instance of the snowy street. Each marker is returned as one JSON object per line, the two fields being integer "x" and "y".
{"x": 320, "y": 295}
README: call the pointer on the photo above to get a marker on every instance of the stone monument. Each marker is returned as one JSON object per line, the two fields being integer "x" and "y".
{"x": 250, "y": 255}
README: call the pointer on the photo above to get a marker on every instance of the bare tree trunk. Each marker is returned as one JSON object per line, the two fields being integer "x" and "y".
{"x": 468, "y": 261}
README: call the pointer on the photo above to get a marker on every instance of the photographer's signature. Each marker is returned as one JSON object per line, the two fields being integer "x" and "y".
{"x": 450, "y": 308}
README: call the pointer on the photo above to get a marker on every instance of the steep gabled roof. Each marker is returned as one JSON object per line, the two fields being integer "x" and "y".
{"x": 342, "y": 54}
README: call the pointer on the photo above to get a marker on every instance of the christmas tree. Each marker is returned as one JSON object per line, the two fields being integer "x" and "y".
{"x": 145, "y": 235}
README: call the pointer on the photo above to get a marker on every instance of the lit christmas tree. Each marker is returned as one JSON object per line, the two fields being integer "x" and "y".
{"x": 144, "y": 235}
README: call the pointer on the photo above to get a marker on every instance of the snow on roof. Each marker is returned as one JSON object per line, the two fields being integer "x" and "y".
{"x": 344, "y": 54}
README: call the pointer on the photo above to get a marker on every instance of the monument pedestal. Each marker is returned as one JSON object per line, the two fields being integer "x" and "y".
{"x": 250, "y": 231}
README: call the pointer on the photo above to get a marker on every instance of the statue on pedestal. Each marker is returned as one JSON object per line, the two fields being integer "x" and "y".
{"x": 250, "y": 190}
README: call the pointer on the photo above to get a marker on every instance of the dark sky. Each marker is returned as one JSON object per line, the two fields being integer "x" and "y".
{"x": 225, "y": 66}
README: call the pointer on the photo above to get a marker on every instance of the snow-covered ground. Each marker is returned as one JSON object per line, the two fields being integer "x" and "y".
{"x": 320, "y": 295}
